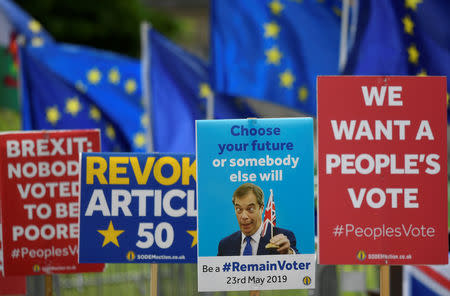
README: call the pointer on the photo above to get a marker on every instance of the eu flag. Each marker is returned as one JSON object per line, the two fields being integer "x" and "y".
{"x": 14, "y": 20}
{"x": 74, "y": 87}
{"x": 273, "y": 50}
{"x": 180, "y": 93}
{"x": 401, "y": 38}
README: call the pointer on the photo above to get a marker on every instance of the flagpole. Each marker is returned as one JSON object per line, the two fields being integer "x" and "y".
{"x": 344, "y": 35}
{"x": 210, "y": 106}
{"x": 145, "y": 82}
{"x": 146, "y": 87}
{"x": 20, "y": 42}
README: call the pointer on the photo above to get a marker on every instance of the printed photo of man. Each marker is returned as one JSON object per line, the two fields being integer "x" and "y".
{"x": 248, "y": 201}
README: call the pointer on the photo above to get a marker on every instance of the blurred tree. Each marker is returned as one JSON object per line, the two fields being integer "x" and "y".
{"x": 9, "y": 120}
{"x": 105, "y": 24}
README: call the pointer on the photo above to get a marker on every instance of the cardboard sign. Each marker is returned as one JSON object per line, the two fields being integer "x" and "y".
{"x": 255, "y": 179}
{"x": 13, "y": 285}
{"x": 39, "y": 200}
{"x": 138, "y": 208}
{"x": 382, "y": 170}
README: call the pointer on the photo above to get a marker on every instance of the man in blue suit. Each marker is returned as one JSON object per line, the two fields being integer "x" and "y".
{"x": 248, "y": 201}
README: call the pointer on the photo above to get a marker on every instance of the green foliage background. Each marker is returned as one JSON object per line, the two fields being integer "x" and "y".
{"x": 112, "y": 25}
{"x": 104, "y": 24}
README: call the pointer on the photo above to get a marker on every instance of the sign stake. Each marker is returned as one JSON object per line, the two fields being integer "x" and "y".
{"x": 154, "y": 280}
{"x": 384, "y": 280}
{"x": 48, "y": 285}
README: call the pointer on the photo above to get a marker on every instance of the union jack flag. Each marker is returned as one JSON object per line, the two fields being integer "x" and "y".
{"x": 426, "y": 280}
{"x": 269, "y": 215}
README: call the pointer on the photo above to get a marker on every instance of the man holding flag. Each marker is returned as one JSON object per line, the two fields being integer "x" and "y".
{"x": 252, "y": 239}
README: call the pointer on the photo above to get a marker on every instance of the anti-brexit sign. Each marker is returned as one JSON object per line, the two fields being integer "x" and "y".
{"x": 138, "y": 208}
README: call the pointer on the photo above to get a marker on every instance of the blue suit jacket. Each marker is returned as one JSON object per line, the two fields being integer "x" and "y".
{"x": 231, "y": 245}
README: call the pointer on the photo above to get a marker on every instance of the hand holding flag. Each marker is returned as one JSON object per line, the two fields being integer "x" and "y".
{"x": 269, "y": 216}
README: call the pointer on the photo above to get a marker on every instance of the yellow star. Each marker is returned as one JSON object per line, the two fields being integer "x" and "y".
{"x": 271, "y": 30}
{"x": 52, "y": 115}
{"x": 408, "y": 24}
{"x": 139, "y": 140}
{"x": 447, "y": 99}
{"x": 110, "y": 132}
{"x": 73, "y": 106}
{"x": 193, "y": 233}
{"x": 130, "y": 86}
{"x": 276, "y": 7}
{"x": 114, "y": 76}
{"x": 422, "y": 73}
{"x": 303, "y": 93}
{"x": 413, "y": 54}
{"x": 110, "y": 235}
{"x": 37, "y": 42}
{"x": 205, "y": 91}
{"x": 145, "y": 120}
{"x": 337, "y": 11}
{"x": 94, "y": 113}
{"x": 80, "y": 86}
{"x": 34, "y": 26}
{"x": 273, "y": 56}
{"x": 412, "y": 4}
{"x": 94, "y": 76}
{"x": 287, "y": 79}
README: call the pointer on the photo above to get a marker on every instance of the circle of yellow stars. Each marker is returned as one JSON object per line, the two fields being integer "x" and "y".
{"x": 408, "y": 27}
{"x": 94, "y": 76}
{"x": 35, "y": 27}
{"x": 274, "y": 55}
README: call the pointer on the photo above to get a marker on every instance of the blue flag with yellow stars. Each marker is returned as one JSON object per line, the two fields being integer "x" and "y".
{"x": 273, "y": 50}
{"x": 407, "y": 37}
{"x": 16, "y": 21}
{"x": 74, "y": 87}
{"x": 179, "y": 94}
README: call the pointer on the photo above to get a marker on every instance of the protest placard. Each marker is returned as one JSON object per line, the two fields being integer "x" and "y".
{"x": 39, "y": 200}
{"x": 256, "y": 204}
{"x": 138, "y": 208}
{"x": 382, "y": 170}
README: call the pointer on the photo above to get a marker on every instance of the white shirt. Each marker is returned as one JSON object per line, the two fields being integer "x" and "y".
{"x": 254, "y": 242}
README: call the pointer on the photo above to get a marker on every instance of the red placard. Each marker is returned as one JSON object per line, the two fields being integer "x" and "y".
{"x": 39, "y": 191}
{"x": 382, "y": 170}
{"x": 13, "y": 285}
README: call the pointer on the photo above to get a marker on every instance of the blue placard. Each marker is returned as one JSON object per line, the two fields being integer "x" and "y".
{"x": 138, "y": 208}
{"x": 276, "y": 155}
